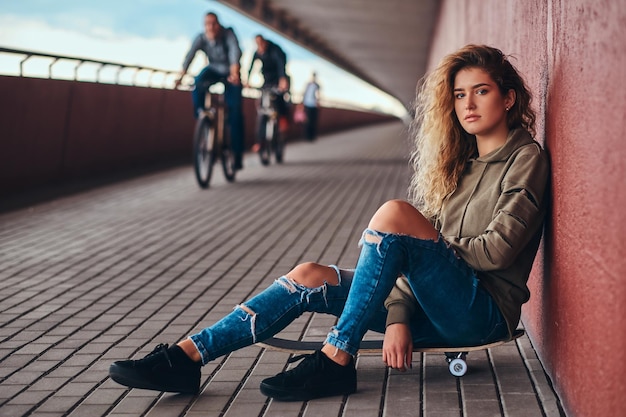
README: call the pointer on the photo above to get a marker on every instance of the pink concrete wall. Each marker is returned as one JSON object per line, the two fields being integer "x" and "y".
{"x": 54, "y": 130}
{"x": 573, "y": 55}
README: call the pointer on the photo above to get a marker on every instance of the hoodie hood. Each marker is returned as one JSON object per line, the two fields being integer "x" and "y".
{"x": 516, "y": 138}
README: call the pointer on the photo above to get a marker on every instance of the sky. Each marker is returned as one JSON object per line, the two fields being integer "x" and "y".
{"x": 158, "y": 34}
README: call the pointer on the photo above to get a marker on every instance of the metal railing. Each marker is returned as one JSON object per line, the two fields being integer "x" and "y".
{"x": 167, "y": 79}
{"x": 167, "y": 75}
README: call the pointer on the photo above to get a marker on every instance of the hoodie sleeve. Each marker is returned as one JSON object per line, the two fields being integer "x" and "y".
{"x": 517, "y": 215}
{"x": 400, "y": 303}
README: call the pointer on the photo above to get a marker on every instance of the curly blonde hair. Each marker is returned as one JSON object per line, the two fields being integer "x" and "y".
{"x": 442, "y": 148}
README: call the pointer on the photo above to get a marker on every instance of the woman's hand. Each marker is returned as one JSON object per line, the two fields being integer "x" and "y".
{"x": 398, "y": 347}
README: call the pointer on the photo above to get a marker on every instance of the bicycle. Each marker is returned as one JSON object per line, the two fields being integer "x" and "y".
{"x": 269, "y": 133}
{"x": 211, "y": 141}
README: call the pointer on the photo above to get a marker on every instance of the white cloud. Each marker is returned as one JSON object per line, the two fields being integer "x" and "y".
{"x": 100, "y": 43}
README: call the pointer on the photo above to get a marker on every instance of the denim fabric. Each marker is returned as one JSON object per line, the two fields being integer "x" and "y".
{"x": 268, "y": 313}
{"x": 453, "y": 308}
{"x": 232, "y": 96}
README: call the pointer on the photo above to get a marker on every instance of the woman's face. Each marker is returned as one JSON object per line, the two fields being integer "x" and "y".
{"x": 480, "y": 106}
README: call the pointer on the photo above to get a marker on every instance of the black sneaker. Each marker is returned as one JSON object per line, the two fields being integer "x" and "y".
{"x": 162, "y": 369}
{"x": 315, "y": 377}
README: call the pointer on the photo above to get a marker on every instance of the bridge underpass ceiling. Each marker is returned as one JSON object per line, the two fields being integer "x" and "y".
{"x": 384, "y": 42}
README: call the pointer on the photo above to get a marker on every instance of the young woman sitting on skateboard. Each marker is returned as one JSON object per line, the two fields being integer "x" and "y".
{"x": 464, "y": 249}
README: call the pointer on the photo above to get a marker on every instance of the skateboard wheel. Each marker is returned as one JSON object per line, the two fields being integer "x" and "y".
{"x": 457, "y": 367}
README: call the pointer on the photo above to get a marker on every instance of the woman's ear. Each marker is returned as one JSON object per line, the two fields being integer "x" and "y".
{"x": 509, "y": 99}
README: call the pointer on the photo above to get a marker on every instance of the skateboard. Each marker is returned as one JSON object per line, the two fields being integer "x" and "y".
{"x": 455, "y": 356}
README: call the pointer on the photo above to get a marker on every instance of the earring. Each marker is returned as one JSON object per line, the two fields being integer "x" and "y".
{"x": 506, "y": 108}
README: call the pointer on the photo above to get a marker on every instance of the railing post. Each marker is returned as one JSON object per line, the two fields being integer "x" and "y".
{"x": 80, "y": 61}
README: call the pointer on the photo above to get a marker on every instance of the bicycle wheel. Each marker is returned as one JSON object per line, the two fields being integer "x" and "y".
{"x": 204, "y": 151}
{"x": 228, "y": 158}
{"x": 267, "y": 130}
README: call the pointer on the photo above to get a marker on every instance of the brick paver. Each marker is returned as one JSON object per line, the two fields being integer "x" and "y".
{"x": 107, "y": 273}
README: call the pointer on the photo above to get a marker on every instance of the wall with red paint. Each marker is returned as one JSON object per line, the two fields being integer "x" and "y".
{"x": 53, "y": 131}
{"x": 573, "y": 56}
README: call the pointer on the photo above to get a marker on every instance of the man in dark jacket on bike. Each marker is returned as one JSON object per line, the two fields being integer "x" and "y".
{"x": 273, "y": 62}
{"x": 221, "y": 46}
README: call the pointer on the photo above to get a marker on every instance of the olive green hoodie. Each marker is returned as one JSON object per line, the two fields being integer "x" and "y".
{"x": 493, "y": 220}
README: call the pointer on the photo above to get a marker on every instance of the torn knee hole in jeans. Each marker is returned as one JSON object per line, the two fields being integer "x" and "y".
{"x": 372, "y": 237}
{"x": 250, "y": 314}
{"x": 305, "y": 292}
{"x": 288, "y": 283}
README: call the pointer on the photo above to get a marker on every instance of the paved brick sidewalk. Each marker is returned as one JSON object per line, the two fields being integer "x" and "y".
{"x": 108, "y": 273}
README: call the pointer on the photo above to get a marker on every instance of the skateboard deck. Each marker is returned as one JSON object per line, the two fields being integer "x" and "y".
{"x": 455, "y": 355}
{"x": 371, "y": 346}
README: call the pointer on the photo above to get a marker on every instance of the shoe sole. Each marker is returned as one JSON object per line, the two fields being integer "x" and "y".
{"x": 289, "y": 394}
{"x": 120, "y": 375}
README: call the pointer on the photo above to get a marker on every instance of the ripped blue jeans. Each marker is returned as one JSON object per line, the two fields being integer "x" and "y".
{"x": 453, "y": 309}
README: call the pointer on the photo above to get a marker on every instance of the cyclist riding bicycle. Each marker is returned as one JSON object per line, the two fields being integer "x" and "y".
{"x": 221, "y": 46}
{"x": 273, "y": 62}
